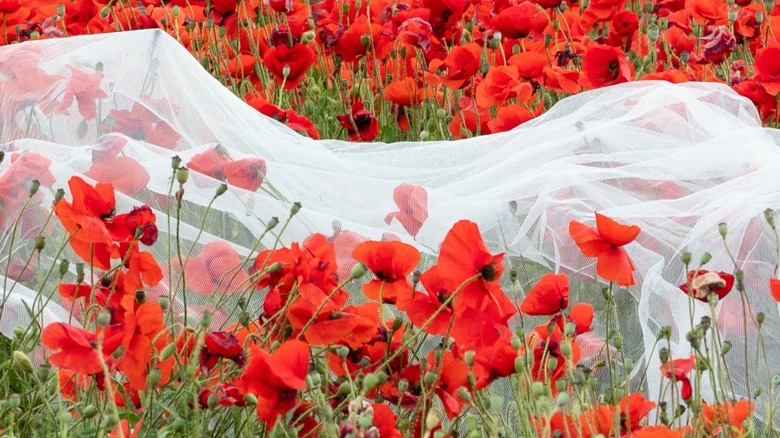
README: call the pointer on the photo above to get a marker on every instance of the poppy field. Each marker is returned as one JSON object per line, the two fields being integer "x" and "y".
{"x": 319, "y": 338}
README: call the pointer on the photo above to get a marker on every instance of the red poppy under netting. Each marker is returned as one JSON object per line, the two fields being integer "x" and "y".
{"x": 650, "y": 154}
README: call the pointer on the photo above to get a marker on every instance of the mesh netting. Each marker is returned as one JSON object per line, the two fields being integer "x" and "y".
{"x": 675, "y": 160}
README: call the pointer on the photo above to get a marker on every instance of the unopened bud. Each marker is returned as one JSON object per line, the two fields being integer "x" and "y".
{"x": 182, "y": 175}
{"x": 705, "y": 258}
{"x": 723, "y": 229}
{"x": 357, "y": 271}
{"x": 221, "y": 190}
{"x": 104, "y": 318}
{"x": 430, "y": 378}
{"x": 153, "y": 378}
{"x": 33, "y": 186}
{"x": 21, "y": 362}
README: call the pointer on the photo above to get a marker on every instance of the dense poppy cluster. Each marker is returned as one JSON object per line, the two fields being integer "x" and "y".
{"x": 435, "y": 68}
{"x": 320, "y": 350}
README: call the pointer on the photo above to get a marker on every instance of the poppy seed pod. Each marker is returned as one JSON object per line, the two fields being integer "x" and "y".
{"x": 64, "y": 265}
{"x": 182, "y": 175}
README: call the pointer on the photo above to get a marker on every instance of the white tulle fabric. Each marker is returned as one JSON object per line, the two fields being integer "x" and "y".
{"x": 675, "y": 160}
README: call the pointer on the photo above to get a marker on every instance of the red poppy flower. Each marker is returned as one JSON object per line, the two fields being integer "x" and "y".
{"x": 500, "y": 84}
{"x": 384, "y": 421}
{"x": 404, "y": 92}
{"x": 454, "y": 374}
{"x": 606, "y": 242}
{"x": 247, "y": 173}
{"x": 658, "y": 432}
{"x": 603, "y": 66}
{"x": 633, "y": 409}
{"x": 76, "y": 348}
{"x": 143, "y": 335}
{"x": 124, "y": 173}
{"x": 561, "y": 80}
{"x": 9, "y": 6}
{"x": 213, "y": 270}
{"x": 422, "y": 306}
{"x": 512, "y": 116}
{"x": 331, "y": 325}
{"x": 361, "y": 125}
{"x": 289, "y": 117}
{"x": 677, "y": 370}
{"x": 294, "y": 61}
{"x": 731, "y": 414}
{"x": 220, "y": 345}
{"x": 463, "y": 255}
{"x": 459, "y": 66}
{"x": 549, "y": 296}
{"x": 767, "y": 65}
{"x": 413, "y": 203}
{"x": 704, "y": 283}
{"x": 520, "y": 21}
{"x": 85, "y": 218}
{"x": 774, "y": 288}
{"x": 85, "y": 89}
{"x": 211, "y": 162}
{"x": 275, "y": 378}
{"x": 391, "y": 263}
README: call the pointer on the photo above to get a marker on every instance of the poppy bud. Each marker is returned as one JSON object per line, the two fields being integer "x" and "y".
{"x": 684, "y": 56}
{"x": 89, "y": 411}
{"x": 205, "y": 320}
{"x": 652, "y": 33}
{"x": 175, "y": 162}
{"x": 21, "y": 362}
{"x": 104, "y": 318}
{"x": 58, "y": 195}
{"x": 365, "y": 41}
{"x": 769, "y": 215}
{"x": 424, "y": 135}
{"x": 357, "y": 271}
{"x": 168, "y": 351}
{"x": 723, "y": 229}
{"x": 556, "y": 24}
{"x": 110, "y": 420}
{"x": 628, "y": 364}
{"x": 250, "y": 399}
{"x": 118, "y": 352}
{"x": 759, "y": 17}
{"x": 516, "y": 342}
{"x": 164, "y": 302}
{"x": 465, "y": 37}
{"x": 43, "y": 371}
{"x": 464, "y": 394}
{"x": 433, "y": 419}
{"x": 760, "y": 318}
{"x": 725, "y": 348}
{"x": 403, "y": 385}
{"x": 344, "y": 389}
{"x": 104, "y": 12}
{"x": 705, "y": 258}
{"x": 430, "y": 378}
{"x": 153, "y": 378}
{"x": 732, "y": 16}
{"x": 468, "y": 357}
{"x": 296, "y": 207}
{"x": 566, "y": 349}
{"x": 663, "y": 354}
{"x": 19, "y": 332}
{"x": 182, "y": 175}
{"x": 562, "y": 399}
{"x": 342, "y": 352}
{"x": 617, "y": 341}
{"x": 538, "y": 389}
{"x": 519, "y": 365}
{"x": 370, "y": 382}
{"x": 33, "y": 186}
{"x": 693, "y": 338}
{"x": 221, "y": 190}
{"x": 40, "y": 243}
{"x": 543, "y": 404}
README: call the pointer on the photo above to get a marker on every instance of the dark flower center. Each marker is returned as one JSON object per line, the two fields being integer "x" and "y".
{"x": 488, "y": 272}
{"x": 613, "y": 68}
{"x": 363, "y": 122}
